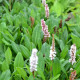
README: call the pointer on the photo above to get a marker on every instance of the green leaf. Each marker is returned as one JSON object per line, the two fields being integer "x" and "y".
{"x": 36, "y": 2}
{"x": 64, "y": 71}
{"x": 57, "y": 39}
{"x": 77, "y": 66}
{"x": 0, "y": 1}
{"x": 36, "y": 35}
{"x": 9, "y": 35}
{"x": 50, "y": 23}
{"x": 41, "y": 62}
{"x": 64, "y": 52}
{"x": 25, "y": 52}
{"x": 56, "y": 77}
{"x": 56, "y": 67}
{"x": 5, "y": 66}
{"x": 58, "y": 8}
{"x": 75, "y": 40}
{"x": 31, "y": 77}
{"x": 3, "y": 26}
{"x": 41, "y": 73}
{"x": 45, "y": 50}
{"x": 63, "y": 64}
{"x": 40, "y": 44}
{"x": 77, "y": 79}
{"x": 16, "y": 7}
{"x": 17, "y": 20}
{"x": 27, "y": 42}
{"x": 28, "y": 68}
{"x": 6, "y": 37}
{"x": 61, "y": 43}
{"x": 32, "y": 45}
{"x": 78, "y": 51}
{"x": 8, "y": 55}
{"x": 22, "y": 72}
{"x": 19, "y": 62}
{"x": 5, "y": 75}
{"x": 65, "y": 32}
{"x": 17, "y": 77}
{"x": 5, "y": 42}
{"x": 6, "y": 3}
{"x": 9, "y": 18}
{"x": 15, "y": 47}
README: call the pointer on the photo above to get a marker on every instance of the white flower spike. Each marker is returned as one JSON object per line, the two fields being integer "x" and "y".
{"x": 52, "y": 50}
{"x": 33, "y": 60}
{"x": 72, "y": 54}
{"x": 52, "y": 54}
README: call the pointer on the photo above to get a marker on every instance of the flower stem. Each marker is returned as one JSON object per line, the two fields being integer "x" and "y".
{"x": 44, "y": 39}
{"x": 51, "y": 69}
{"x": 33, "y": 74}
{"x": 10, "y": 4}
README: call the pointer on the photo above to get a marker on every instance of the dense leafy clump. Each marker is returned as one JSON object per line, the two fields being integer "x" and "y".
{"x": 21, "y": 31}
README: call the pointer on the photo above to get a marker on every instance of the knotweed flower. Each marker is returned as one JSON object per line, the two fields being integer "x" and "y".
{"x": 43, "y": 24}
{"x": 45, "y": 29}
{"x": 52, "y": 50}
{"x": 73, "y": 75}
{"x": 46, "y": 11}
{"x": 72, "y": 54}
{"x": 33, "y": 60}
{"x": 44, "y": 2}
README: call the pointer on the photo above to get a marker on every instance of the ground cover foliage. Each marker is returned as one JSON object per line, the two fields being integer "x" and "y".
{"x": 21, "y": 31}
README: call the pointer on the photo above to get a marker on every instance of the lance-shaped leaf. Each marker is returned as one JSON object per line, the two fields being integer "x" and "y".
{"x": 19, "y": 62}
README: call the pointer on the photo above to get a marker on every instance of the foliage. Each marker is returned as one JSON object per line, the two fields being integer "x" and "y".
{"x": 18, "y": 38}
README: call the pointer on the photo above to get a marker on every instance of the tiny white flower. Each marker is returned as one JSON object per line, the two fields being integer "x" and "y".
{"x": 33, "y": 60}
{"x": 72, "y": 54}
{"x": 71, "y": 69}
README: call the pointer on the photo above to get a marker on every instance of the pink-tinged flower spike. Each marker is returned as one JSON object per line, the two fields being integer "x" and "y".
{"x": 72, "y": 54}
{"x": 52, "y": 49}
{"x": 46, "y": 11}
{"x": 45, "y": 30}
{"x": 43, "y": 24}
{"x": 44, "y": 2}
{"x": 73, "y": 75}
{"x": 33, "y": 61}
